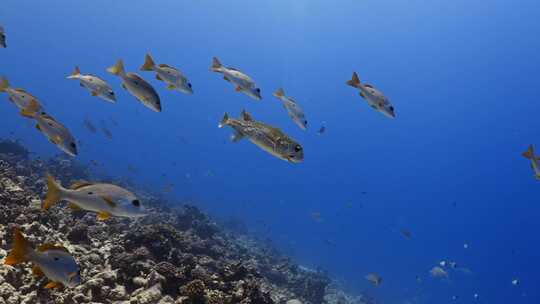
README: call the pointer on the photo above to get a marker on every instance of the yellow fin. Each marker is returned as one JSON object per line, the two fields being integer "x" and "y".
{"x": 74, "y": 207}
{"x": 148, "y": 63}
{"x": 238, "y": 89}
{"x": 56, "y": 140}
{"x": 76, "y": 71}
{"x": 79, "y": 184}
{"x": 4, "y": 84}
{"x": 354, "y": 82}
{"x": 163, "y": 65}
{"x": 529, "y": 154}
{"x": 279, "y": 93}
{"x": 49, "y": 246}
{"x": 171, "y": 87}
{"x": 118, "y": 68}
{"x": 31, "y": 110}
{"x": 38, "y": 127}
{"x": 37, "y": 271}
{"x": 109, "y": 201}
{"x": 53, "y": 193}
{"x": 102, "y": 216}
{"x": 52, "y": 285}
{"x": 157, "y": 77}
{"x": 225, "y": 77}
{"x": 20, "y": 249}
{"x": 94, "y": 93}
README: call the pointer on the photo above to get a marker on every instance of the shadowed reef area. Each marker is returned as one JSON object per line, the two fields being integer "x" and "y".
{"x": 173, "y": 255}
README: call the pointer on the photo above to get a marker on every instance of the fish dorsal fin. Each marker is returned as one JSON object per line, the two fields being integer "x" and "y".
{"x": 368, "y": 86}
{"x": 52, "y": 285}
{"x": 109, "y": 201}
{"x": 102, "y": 216}
{"x": 163, "y": 65}
{"x": 245, "y": 116}
{"x": 37, "y": 271}
{"x": 49, "y": 246}
{"x": 79, "y": 184}
{"x": 20, "y": 90}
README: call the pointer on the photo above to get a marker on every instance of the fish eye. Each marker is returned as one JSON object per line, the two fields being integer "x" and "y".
{"x": 297, "y": 148}
{"x": 56, "y": 258}
{"x": 258, "y": 90}
{"x": 90, "y": 193}
{"x": 391, "y": 108}
{"x": 73, "y": 145}
{"x": 111, "y": 92}
{"x": 136, "y": 203}
{"x": 189, "y": 85}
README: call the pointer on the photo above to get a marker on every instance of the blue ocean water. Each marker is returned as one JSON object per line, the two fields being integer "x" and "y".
{"x": 462, "y": 75}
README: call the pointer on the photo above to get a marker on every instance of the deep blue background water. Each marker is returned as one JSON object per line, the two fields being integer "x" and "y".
{"x": 462, "y": 75}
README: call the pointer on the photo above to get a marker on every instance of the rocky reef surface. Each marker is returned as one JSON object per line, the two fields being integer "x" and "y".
{"x": 173, "y": 255}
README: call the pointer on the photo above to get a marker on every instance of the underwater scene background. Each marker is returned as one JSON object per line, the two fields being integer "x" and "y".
{"x": 443, "y": 181}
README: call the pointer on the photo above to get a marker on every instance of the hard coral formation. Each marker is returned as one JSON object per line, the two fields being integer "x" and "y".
{"x": 173, "y": 255}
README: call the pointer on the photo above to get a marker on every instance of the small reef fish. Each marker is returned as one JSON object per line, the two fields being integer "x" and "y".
{"x": 19, "y": 97}
{"x": 438, "y": 272}
{"x": 529, "y": 154}
{"x": 137, "y": 87}
{"x": 2, "y": 38}
{"x": 89, "y": 126}
{"x": 374, "y": 279}
{"x": 55, "y": 132}
{"x": 242, "y": 82}
{"x": 293, "y": 109}
{"x": 270, "y": 139}
{"x": 54, "y": 262}
{"x": 174, "y": 79}
{"x": 105, "y": 199}
{"x": 97, "y": 86}
{"x": 374, "y": 97}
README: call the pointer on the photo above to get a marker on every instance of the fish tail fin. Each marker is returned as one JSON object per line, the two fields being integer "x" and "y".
{"x": 148, "y": 63}
{"x": 529, "y": 154}
{"x": 117, "y": 68}
{"x": 4, "y": 84}
{"x": 75, "y": 74}
{"x": 355, "y": 81}
{"x": 31, "y": 111}
{"x": 224, "y": 120}
{"x": 216, "y": 65}
{"x": 279, "y": 93}
{"x": 20, "y": 250}
{"x": 54, "y": 191}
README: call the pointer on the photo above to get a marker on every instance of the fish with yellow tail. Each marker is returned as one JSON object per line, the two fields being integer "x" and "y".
{"x": 105, "y": 199}
{"x": 373, "y": 97}
{"x": 173, "y": 78}
{"x": 242, "y": 82}
{"x": 19, "y": 97}
{"x": 293, "y": 109}
{"x": 535, "y": 161}
{"x": 55, "y": 132}
{"x": 268, "y": 138}
{"x": 53, "y": 261}
{"x": 3, "y": 38}
{"x": 97, "y": 86}
{"x": 137, "y": 87}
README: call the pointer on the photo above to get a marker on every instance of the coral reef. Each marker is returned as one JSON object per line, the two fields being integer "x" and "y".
{"x": 173, "y": 255}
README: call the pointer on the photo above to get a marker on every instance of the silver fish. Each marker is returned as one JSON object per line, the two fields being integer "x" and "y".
{"x": 97, "y": 86}
{"x": 293, "y": 109}
{"x": 137, "y": 87}
{"x": 374, "y": 97}
{"x": 174, "y": 79}
{"x": 242, "y": 82}
{"x": 19, "y": 97}
{"x": 105, "y": 199}
{"x": 270, "y": 139}
{"x": 535, "y": 165}
{"x": 54, "y": 262}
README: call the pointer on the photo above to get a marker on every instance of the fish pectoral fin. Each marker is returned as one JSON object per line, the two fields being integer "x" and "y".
{"x": 36, "y": 271}
{"x": 52, "y": 285}
{"x": 109, "y": 201}
{"x": 74, "y": 207}
{"x": 103, "y": 216}
{"x": 158, "y": 77}
{"x": 238, "y": 89}
{"x": 225, "y": 77}
{"x": 171, "y": 87}
{"x": 362, "y": 95}
{"x": 236, "y": 136}
{"x": 94, "y": 93}
{"x": 56, "y": 140}
{"x": 124, "y": 86}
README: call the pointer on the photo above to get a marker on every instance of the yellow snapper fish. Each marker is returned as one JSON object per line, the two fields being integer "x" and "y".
{"x": 2, "y": 38}
{"x": 529, "y": 154}
{"x": 54, "y": 262}
{"x": 293, "y": 109}
{"x": 55, "y": 132}
{"x": 19, "y": 97}
{"x": 270, "y": 139}
{"x": 242, "y": 81}
{"x": 105, "y": 199}
{"x": 97, "y": 86}
{"x": 137, "y": 87}
{"x": 374, "y": 97}
{"x": 174, "y": 79}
